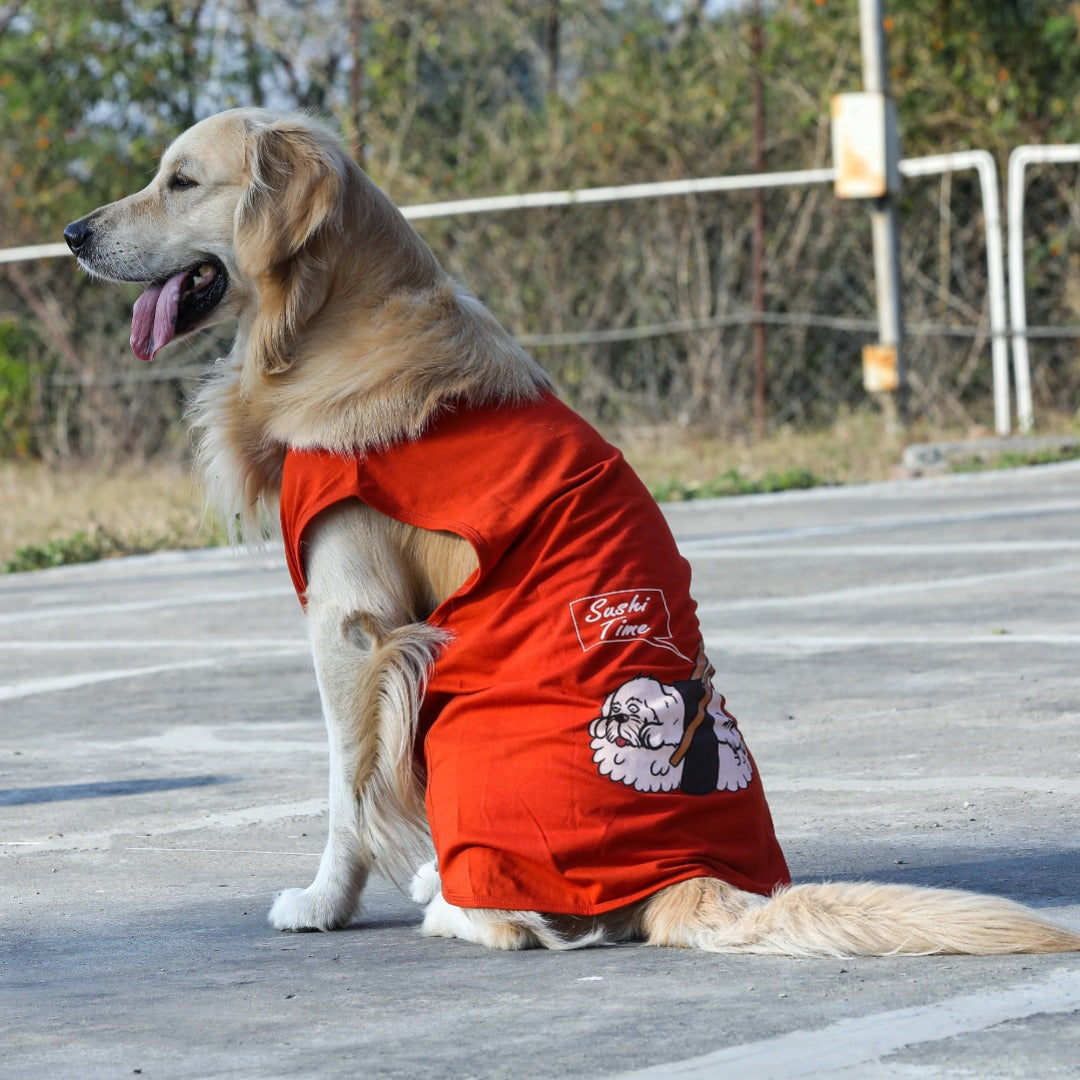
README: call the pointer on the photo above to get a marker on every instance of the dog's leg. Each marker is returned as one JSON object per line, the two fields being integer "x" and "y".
{"x": 702, "y": 913}
{"x": 506, "y": 930}
{"x": 510, "y": 930}
{"x": 370, "y": 662}
{"x": 331, "y": 900}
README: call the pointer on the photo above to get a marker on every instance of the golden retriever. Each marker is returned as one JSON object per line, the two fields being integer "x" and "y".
{"x": 353, "y": 345}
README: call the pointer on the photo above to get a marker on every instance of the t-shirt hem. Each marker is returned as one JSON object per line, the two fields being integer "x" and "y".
{"x": 514, "y": 903}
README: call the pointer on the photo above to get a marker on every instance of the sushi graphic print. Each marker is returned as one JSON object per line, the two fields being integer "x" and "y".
{"x": 652, "y": 735}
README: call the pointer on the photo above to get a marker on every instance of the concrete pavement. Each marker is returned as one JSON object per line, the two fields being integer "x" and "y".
{"x": 903, "y": 659}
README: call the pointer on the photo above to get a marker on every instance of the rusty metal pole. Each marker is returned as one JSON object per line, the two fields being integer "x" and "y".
{"x": 356, "y": 78}
{"x": 883, "y": 216}
{"x": 757, "y": 44}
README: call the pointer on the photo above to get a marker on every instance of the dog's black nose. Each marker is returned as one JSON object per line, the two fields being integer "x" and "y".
{"x": 76, "y": 235}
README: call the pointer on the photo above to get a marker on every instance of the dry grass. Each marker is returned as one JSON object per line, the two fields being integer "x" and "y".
{"x": 143, "y": 508}
{"x": 859, "y": 447}
{"x": 158, "y": 505}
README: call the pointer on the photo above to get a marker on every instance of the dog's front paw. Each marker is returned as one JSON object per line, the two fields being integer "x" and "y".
{"x": 425, "y": 885}
{"x": 307, "y": 909}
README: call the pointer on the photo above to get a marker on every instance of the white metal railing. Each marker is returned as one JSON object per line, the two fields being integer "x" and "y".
{"x": 538, "y": 199}
{"x": 34, "y": 251}
{"x": 1019, "y": 160}
{"x": 982, "y": 162}
{"x": 585, "y": 196}
{"x": 979, "y": 160}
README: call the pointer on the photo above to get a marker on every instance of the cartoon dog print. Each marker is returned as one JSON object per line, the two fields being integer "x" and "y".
{"x": 656, "y": 737}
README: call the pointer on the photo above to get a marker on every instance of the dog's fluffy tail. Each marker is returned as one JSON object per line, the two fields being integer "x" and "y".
{"x": 848, "y": 919}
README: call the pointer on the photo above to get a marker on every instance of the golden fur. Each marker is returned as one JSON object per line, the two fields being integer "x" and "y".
{"x": 350, "y": 335}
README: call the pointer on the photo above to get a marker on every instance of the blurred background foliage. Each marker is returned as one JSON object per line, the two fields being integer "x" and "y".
{"x": 441, "y": 100}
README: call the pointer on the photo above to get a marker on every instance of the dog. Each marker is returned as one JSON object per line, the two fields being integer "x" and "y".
{"x": 505, "y": 647}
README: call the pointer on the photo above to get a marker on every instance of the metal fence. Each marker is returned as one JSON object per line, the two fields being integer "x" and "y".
{"x": 638, "y": 300}
{"x": 1044, "y": 272}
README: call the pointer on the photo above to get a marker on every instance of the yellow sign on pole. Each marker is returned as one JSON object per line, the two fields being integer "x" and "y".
{"x": 879, "y": 369}
{"x": 863, "y": 143}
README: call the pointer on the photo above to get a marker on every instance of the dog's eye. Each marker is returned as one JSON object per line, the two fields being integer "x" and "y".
{"x": 179, "y": 182}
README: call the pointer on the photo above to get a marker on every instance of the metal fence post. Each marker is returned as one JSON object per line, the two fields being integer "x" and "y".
{"x": 883, "y": 215}
{"x": 1019, "y": 160}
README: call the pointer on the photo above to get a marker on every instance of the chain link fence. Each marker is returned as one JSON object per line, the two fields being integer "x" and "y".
{"x": 646, "y": 307}
{"x": 1046, "y": 289}
{"x": 641, "y": 310}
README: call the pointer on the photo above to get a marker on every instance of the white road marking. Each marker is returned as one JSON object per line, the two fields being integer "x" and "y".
{"x": 57, "y": 683}
{"x": 244, "y": 817}
{"x": 158, "y": 603}
{"x": 247, "y": 740}
{"x": 834, "y": 1050}
{"x": 129, "y": 644}
{"x": 876, "y": 592}
{"x": 935, "y": 521}
{"x": 1055, "y": 785}
{"x": 30, "y": 687}
{"x": 719, "y": 642}
{"x": 217, "y": 851}
{"x": 849, "y": 551}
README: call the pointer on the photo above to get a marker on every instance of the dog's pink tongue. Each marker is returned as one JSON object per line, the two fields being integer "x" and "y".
{"x": 153, "y": 320}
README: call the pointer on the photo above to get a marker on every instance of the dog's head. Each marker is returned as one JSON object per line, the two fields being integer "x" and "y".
{"x": 641, "y": 712}
{"x": 230, "y": 226}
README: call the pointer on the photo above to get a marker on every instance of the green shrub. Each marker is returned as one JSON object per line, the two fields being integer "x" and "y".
{"x": 91, "y": 545}
{"x": 732, "y": 482}
{"x": 16, "y": 390}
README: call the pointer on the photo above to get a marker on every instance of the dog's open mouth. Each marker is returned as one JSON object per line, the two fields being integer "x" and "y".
{"x": 175, "y": 306}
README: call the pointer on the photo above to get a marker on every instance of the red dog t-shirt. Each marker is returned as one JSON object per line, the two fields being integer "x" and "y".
{"x": 576, "y": 753}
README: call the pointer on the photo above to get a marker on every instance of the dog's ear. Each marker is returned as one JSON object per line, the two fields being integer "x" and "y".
{"x": 295, "y": 182}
